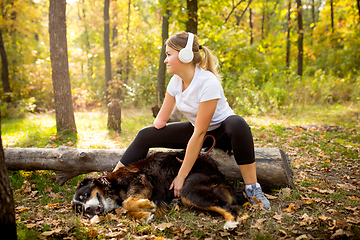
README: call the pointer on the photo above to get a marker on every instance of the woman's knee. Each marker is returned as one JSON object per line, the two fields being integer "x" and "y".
{"x": 145, "y": 134}
{"x": 237, "y": 124}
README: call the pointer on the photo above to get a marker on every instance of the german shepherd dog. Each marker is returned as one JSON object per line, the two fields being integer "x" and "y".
{"x": 142, "y": 189}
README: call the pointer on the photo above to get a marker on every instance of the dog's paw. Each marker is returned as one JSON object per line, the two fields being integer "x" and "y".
{"x": 147, "y": 204}
{"x": 230, "y": 225}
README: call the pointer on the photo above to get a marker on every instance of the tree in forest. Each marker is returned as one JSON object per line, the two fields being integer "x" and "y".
{"x": 288, "y": 43}
{"x": 192, "y": 21}
{"x": 7, "y": 210}
{"x": 332, "y": 15}
{"x": 4, "y": 70}
{"x": 251, "y": 26}
{"x": 107, "y": 49}
{"x": 358, "y": 6}
{"x": 65, "y": 120}
{"x": 300, "y": 38}
{"x": 162, "y": 67}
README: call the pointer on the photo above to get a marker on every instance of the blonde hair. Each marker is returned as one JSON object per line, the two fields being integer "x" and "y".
{"x": 208, "y": 62}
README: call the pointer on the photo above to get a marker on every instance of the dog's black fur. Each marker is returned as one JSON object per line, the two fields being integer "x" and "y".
{"x": 142, "y": 188}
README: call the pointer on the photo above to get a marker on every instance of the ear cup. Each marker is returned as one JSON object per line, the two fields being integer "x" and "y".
{"x": 186, "y": 54}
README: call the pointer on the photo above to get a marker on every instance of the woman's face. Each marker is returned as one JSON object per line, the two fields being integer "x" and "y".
{"x": 173, "y": 64}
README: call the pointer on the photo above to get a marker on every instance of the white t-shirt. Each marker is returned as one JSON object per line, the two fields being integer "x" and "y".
{"x": 204, "y": 87}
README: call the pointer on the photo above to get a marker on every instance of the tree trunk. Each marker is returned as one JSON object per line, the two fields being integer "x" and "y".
{"x": 251, "y": 26}
{"x": 332, "y": 15}
{"x": 127, "y": 64}
{"x": 82, "y": 17}
{"x": 288, "y": 44}
{"x": 312, "y": 19}
{"x": 358, "y": 6}
{"x": 7, "y": 209}
{"x": 272, "y": 164}
{"x": 107, "y": 48}
{"x": 114, "y": 115}
{"x": 263, "y": 20}
{"x": 162, "y": 67}
{"x": 300, "y": 38}
{"x": 65, "y": 120}
{"x": 4, "y": 70}
{"x": 192, "y": 23}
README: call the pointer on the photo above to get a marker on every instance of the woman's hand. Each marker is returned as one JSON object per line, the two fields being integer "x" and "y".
{"x": 177, "y": 184}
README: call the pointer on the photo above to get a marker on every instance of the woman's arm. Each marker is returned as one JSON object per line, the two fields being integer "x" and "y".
{"x": 165, "y": 111}
{"x": 203, "y": 119}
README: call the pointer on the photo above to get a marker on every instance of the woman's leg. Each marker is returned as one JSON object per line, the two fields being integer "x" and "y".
{"x": 173, "y": 135}
{"x": 234, "y": 131}
{"x": 235, "y": 134}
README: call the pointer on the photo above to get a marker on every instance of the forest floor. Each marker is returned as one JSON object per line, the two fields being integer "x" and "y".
{"x": 323, "y": 144}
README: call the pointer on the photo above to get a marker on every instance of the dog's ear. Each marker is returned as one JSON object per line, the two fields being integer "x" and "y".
{"x": 84, "y": 182}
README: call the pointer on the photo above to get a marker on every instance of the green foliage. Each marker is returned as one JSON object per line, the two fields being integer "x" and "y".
{"x": 255, "y": 77}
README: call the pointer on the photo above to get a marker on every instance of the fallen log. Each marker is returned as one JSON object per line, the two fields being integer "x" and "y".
{"x": 272, "y": 164}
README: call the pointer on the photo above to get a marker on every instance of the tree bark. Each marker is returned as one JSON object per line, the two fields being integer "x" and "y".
{"x": 300, "y": 38}
{"x": 65, "y": 120}
{"x": 4, "y": 70}
{"x": 358, "y": 6}
{"x": 7, "y": 209}
{"x": 162, "y": 67}
{"x": 251, "y": 26}
{"x": 332, "y": 15}
{"x": 107, "y": 48}
{"x": 114, "y": 115}
{"x": 192, "y": 22}
{"x": 87, "y": 47}
{"x": 288, "y": 44}
{"x": 272, "y": 164}
{"x": 312, "y": 20}
{"x": 263, "y": 20}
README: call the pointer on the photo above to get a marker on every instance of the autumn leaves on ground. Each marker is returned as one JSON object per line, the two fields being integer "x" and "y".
{"x": 323, "y": 144}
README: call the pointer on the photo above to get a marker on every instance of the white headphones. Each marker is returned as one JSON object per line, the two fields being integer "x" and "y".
{"x": 186, "y": 54}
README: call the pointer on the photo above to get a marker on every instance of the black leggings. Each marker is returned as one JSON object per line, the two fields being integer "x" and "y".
{"x": 233, "y": 134}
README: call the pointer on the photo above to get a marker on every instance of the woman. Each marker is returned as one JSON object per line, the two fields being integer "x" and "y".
{"x": 196, "y": 91}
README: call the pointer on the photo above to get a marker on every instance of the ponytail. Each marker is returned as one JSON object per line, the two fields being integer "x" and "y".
{"x": 210, "y": 62}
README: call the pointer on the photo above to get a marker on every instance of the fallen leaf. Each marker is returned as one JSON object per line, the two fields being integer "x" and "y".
{"x": 294, "y": 206}
{"x": 277, "y": 217}
{"x": 340, "y": 223}
{"x": 94, "y": 220}
{"x": 30, "y": 225}
{"x": 163, "y": 226}
{"x": 353, "y": 220}
{"x": 340, "y": 233}
{"x": 346, "y": 186}
{"x": 324, "y": 218}
{"x": 259, "y": 224}
{"x": 224, "y": 233}
{"x": 49, "y": 233}
{"x": 120, "y": 211}
{"x": 270, "y": 197}
{"x": 112, "y": 234}
{"x": 282, "y": 232}
{"x": 306, "y": 220}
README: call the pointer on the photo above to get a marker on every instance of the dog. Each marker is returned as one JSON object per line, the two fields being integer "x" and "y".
{"x": 142, "y": 189}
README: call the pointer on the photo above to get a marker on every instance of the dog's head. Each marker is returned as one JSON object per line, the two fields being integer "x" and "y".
{"x": 90, "y": 199}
